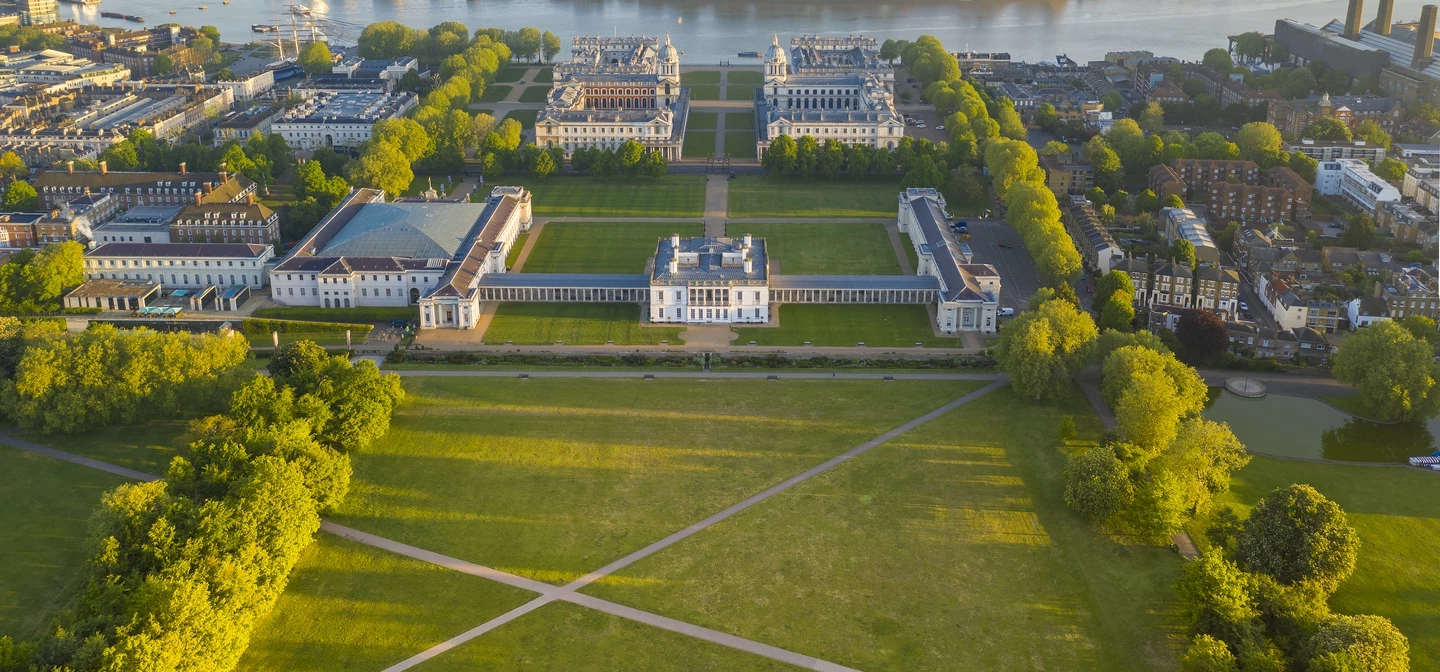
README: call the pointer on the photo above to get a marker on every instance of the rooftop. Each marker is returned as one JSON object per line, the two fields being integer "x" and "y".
{"x": 710, "y": 260}
{"x": 413, "y": 230}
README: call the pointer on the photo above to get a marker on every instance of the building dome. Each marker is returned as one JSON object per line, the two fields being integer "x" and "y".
{"x": 776, "y": 53}
{"x": 668, "y": 53}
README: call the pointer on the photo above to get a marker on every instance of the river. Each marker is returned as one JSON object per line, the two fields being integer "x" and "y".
{"x": 708, "y": 31}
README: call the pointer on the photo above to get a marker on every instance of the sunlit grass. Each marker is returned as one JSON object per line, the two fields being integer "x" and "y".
{"x": 757, "y": 196}
{"x": 825, "y": 248}
{"x": 575, "y": 324}
{"x": 595, "y": 247}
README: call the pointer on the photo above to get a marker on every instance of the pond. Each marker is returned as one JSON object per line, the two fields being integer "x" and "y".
{"x": 1300, "y": 427}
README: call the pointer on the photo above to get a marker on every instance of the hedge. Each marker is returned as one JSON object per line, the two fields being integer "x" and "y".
{"x": 769, "y": 361}
{"x": 348, "y": 315}
{"x": 254, "y": 327}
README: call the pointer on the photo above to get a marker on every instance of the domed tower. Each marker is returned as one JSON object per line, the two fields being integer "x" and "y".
{"x": 669, "y": 62}
{"x": 777, "y": 62}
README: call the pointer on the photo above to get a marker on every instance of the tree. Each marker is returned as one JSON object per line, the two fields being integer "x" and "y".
{"x": 655, "y": 165}
{"x": 1096, "y": 196}
{"x": 780, "y": 156}
{"x": 1212, "y": 145}
{"x": 1207, "y": 654}
{"x": 1097, "y": 484}
{"x": 1392, "y": 371}
{"x": 544, "y": 165}
{"x": 1112, "y": 100}
{"x": 1360, "y": 232}
{"x": 383, "y": 166}
{"x": 1043, "y": 347}
{"x": 1296, "y": 535}
{"x": 12, "y": 166}
{"x": 386, "y": 40}
{"x": 1259, "y": 142}
{"x": 1328, "y": 128}
{"x": 1118, "y": 311}
{"x": 21, "y": 197}
{"x": 34, "y": 282}
{"x": 316, "y": 59}
{"x": 1129, "y": 141}
{"x": 1304, "y": 165}
{"x": 1047, "y": 117}
{"x": 1152, "y": 118}
{"x": 889, "y": 51}
{"x": 1216, "y": 598}
{"x": 1147, "y": 201}
{"x": 1371, "y": 132}
{"x": 1203, "y": 335}
{"x": 1151, "y": 392}
{"x": 1369, "y": 643}
{"x": 1115, "y": 281}
{"x": 1218, "y": 59}
{"x": 121, "y": 156}
{"x": 510, "y": 132}
{"x": 550, "y": 45}
{"x": 1108, "y": 168}
{"x": 1391, "y": 168}
{"x": 1250, "y": 45}
{"x": 1054, "y": 148}
{"x": 1183, "y": 251}
{"x": 527, "y": 41}
{"x": 1421, "y": 327}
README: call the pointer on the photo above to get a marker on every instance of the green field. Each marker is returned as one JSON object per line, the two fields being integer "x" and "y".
{"x": 550, "y": 478}
{"x": 352, "y": 607}
{"x": 949, "y": 548}
{"x": 700, "y": 77}
{"x": 1395, "y": 511}
{"x": 749, "y": 77}
{"x": 754, "y": 196}
{"x": 698, "y": 145}
{"x": 545, "y": 76}
{"x": 590, "y": 247}
{"x": 910, "y": 252}
{"x": 145, "y": 447}
{"x": 43, "y": 524}
{"x": 705, "y": 92}
{"x": 701, "y": 121}
{"x": 846, "y": 325}
{"x": 739, "y": 121}
{"x": 669, "y": 196}
{"x": 740, "y": 92}
{"x": 535, "y": 94}
{"x": 495, "y": 93}
{"x": 348, "y": 315}
{"x": 804, "y": 248}
{"x": 515, "y": 249}
{"x": 563, "y": 636}
{"x": 525, "y": 117}
{"x": 574, "y": 324}
{"x": 511, "y": 74}
{"x": 740, "y": 144}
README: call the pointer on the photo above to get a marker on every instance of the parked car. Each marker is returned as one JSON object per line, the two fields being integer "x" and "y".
{"x": 399, "y": 324}
{"x": 940, "y": 127}
{"x": 1007, "y": 312}
{"x": 1245, "y": 307}
{"x": 1089, "y": 289}
{"x": 1004, "y": 245}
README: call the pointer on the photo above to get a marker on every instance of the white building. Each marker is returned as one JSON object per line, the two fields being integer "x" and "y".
{"x": 969, "y": 296}
{"x": 1330, "y": 150}
{"x": 1352, "y": 179}
{"x": 710, "y": 280}
{"x": 371, "y": 253}
{"x": 140, "y": 224}
{"x": 614, "y": 90}
{"x": 247, "y": 88}
{"x": 855, "y": 107}
{"x": 181, "y": 265}
{"x": 1289, "y": 311}
{"x": 1183, "y": 223}
{"x": 1422, "y": 183}
{"x": 340, "y": 119}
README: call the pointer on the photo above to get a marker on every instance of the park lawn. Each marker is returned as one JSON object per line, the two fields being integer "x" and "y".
{"x": 700, "y": 77}
{"x": 525, "y": 117}
{"x": 535, "y": 94}
{"x": 545, "y": 76}
{"x": 516, "y": 248}
{"x": 739, "y": 92}
{"x": 751, "y": 77}
{"x": 740, "y": 121}
{"x": 495, "y": 93}
{"x": 845, "y": 325}
{"x": 551, "y": 478}
{"x": 948, "y": 548}
{"x": 805, "y": 248}
{"x": 740, "y": 144}
{"x": 767, "y": 196}
{"x": 592, "y": 247}
{"x": 368, "y": 315}
{"x": 43, "y": 526}
{"x": 564, "y": 636}
{"x": 1394, "y": 510}
{"x": 574, "y": 324}
{"x": 698, "y": 145}
{"x": 705, "y": 92}
{"x": 702, "y": 121}
{"x": 669, "y": 196}
{"x": 511, "y": 74}
{"x": 146, "y": 447}
{"x": 910, "y": 253}
{"x": 352, "y": 607}
{"x": 328, "y": 338}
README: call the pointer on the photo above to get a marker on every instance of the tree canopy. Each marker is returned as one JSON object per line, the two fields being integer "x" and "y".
{"x": 1296, "y": 535}
{"x": 1393, "y": 372}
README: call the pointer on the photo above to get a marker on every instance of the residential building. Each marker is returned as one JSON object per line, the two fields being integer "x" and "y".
{"x": 247, "y": 87}
{"x": 982, "y": 60}
{"x": 1324, "y": 316}
{"x": 140, "y": 224}
{"x": 1353, "y": 180}
{"x": 1217, "y": 290}
{"x": 854, "y": 107}
{"x": 1169, "y": 94}
{"x": 1199, "y": 174}
{"x": 38, "y": 12}
{"x": 1172, "y": 285}
{"x": 241, "y": 126}
{"x": 1139, "y": 272}
{"x": 130, "y": 189}
{"x": 1182, "y": 223}
{"x": 1165, "y": 182}
{"x": 247, "y": 222}
{"x": 1247, "y": 203}
{"x": 1293, "y": 117}
{"x": 1067, "y": 174}
{"x": 17, "y": 230}
{"x": 1329, "y": 150}
{"x": 340, "y": 119}
{"x": 1092, "y": 239}
{"x": 1363, "y": 312}
{"x": 181, "y": 265}
{"x": 1282, "y": 302}
{"x": 1250, "y": 340}
{"x": 1408, "y": 222}
{"x": 1301, "y": 192}
{"x": 1411, "y": 292}
{"x": 1422, "y": 184}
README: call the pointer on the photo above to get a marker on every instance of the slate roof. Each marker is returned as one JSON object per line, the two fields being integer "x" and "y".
{"x": 178, "y": 250}
{"x": 408, "y": 230}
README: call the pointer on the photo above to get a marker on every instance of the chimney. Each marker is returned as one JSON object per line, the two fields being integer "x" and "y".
{"x": 747, "y": 240}
{"x": 199, "y": 198}
{"x": 70, "y": 167}
{"x": 250, "y": 199}
{"x": 1352, "y": 19}
{"x": 207, "y": 187}
{"x": 182, "y": 167}
{"x": 1384, "y": 18}
{"x": 1424, "y": 38}
{"x": 104, "y": 167}
{"x": 749, "y": 265}
{"x": 675, "y": 242}
{"x": 674, "y": 266}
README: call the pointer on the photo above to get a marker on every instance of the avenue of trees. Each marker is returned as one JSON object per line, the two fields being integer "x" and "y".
{"x": 184, "y": 566}
{"x": 1258, "y": 599}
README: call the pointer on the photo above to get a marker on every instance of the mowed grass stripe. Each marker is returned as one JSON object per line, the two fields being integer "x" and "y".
{"x": 948, "y": 548}
{"x": 574, "y": 324}
{"x": 594, "y": 247}
{"x": 846, "y": 325}
{"x": 669, "y": 196}
{"x": 818, "y": 248}
{"x": 755, "y": 196}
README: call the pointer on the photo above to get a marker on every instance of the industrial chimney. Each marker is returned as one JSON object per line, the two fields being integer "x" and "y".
{"x": 1385, "y": 17}
{"x": 1424, "y": 38}
{"x": 1353, "y": 19}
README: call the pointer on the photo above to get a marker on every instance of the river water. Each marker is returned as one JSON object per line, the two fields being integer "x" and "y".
{"x": 708, "y": 31}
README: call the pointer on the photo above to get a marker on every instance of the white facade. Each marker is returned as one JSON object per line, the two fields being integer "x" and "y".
{"x": 340, "y": 120}
{"x": 710, "y": 281}
{"x": 181, "y": 265}
{"x": 854, "y": 108}
{"x": 345, "y": 287}
{"x": 1289, "y": 312}
{"x": 1353, "y": 180}
{"x": 969, "y": 297}
{"x": 249, "y": 87}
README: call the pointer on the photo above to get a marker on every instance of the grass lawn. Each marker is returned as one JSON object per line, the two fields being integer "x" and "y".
{"x": 700, "y": 77}
{"x": 740, "y": 144}
{"x": 545, "y": 76}
{"x": 751, "y": 77}
{"x": 1394, "y": 510}
{"x": 949, "y": 548}
{"x": 443, "y": 184}
{"x": 756, "y": 196}
{"x": 286, "y": 338}
{"x": 698, "y": 145}
{"x": 804, "y": 248}
{"x": 551, "y": 478}
{"x": 495, "y": 93}
{"x": 525, "y": 117}
{"x": 347, "y": 315}
{"x": 701, "y": 121}
{"x": 739, "y": 92}
{"x": 516, "y": 248}
{"x": 535, "y": 94}
{"x": 705, "y": 92}
{"x": 846, "y": 325}
{"x": 739, "y": 121}
{"x": 352, "y": 607}
{"x": 563, "y": 636}
{"x": 511, "y": 74}
{"x": 145, "y": 447}
{"x": 574, "y": 324}
{"x": 586, "y": 247}
{"x": 43, "y": 526}
{"x": 669, "y": 196}
{"x": 910, "y": 253}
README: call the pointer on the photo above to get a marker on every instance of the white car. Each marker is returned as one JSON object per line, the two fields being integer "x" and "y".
{"x": 941, "y": 127}
{"x": 1007, "y": 312}
{"x": 1244, "y": 307}
{"x": 921, "y": 125}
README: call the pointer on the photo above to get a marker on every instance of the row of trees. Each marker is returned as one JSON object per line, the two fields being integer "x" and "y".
{"x": 1032, "y": 209}
{"x": 35, "y": 281}
{"x": 1258, "y": 598}
{"x": 923, "y": 163}
{"x": 630, "y": 158}
{"x": 389, "y": 39}
{"x": 186, "y": 565}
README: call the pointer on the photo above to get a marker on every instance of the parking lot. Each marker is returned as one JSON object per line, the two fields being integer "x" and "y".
{"x": 1019, "y": 281}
